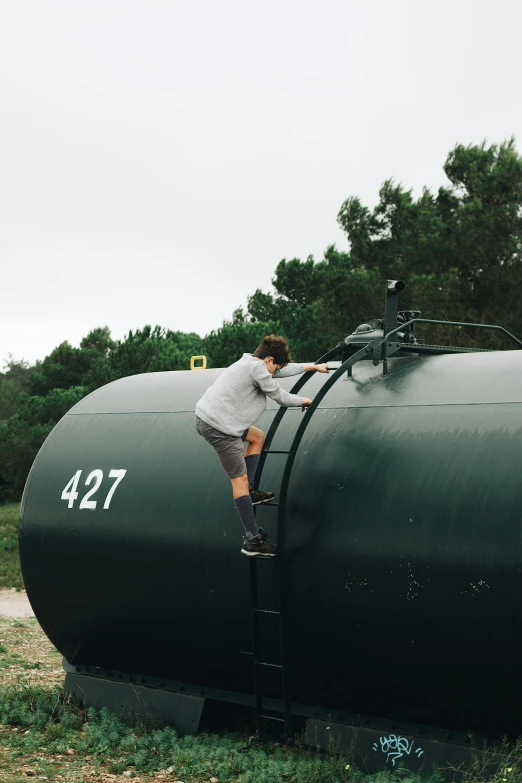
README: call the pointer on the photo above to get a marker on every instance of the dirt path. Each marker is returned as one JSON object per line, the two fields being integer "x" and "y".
{"x": 15, "y": 604}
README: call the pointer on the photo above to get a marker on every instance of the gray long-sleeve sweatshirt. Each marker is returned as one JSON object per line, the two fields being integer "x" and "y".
{"x": 238, "y": 397}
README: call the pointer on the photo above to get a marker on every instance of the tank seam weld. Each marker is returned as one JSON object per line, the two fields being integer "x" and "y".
{"x": 325, "y": 408}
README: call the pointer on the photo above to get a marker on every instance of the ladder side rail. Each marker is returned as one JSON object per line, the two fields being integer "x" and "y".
{"x": 331, "y": 355}
{"x": 283, "y": 657}
{"x": 285, "y": 693}
{"x": 255, "y": 641}
{"x": 287, "y": 704}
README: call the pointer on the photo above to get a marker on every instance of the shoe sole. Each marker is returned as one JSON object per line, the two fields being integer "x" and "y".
{"x": 258, "y": 554}
{"x": 259, "y": 502}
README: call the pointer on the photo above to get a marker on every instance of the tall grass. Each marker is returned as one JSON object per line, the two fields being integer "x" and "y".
{"x": 45, "y": 719}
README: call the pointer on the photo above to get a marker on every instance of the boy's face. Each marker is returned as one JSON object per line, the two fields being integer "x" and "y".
{"x": 270, "y": 366}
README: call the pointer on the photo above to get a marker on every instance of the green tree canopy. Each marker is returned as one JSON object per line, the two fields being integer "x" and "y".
{"x": 459, "y": 250}
{"x": 9, "y": 398}
{"x": 13, "y": 383}
{"x": 66, "y": 366}
{"x": 318, "y": 304}
{"x": 144, "y": 350}
{"x": 17, "y": 371}
{"x": 51, "y": 408}
{"x": 240, "y": 335}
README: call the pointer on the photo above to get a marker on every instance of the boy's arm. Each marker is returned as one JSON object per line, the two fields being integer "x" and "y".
{"x": 292, "y": 368}
{"x": 272, "y": 389}
{"x": 295, "y": 369}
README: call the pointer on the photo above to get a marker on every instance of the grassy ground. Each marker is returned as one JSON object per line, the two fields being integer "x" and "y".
{"x": 44, "y": 737}
{"x": 10, "y": 575}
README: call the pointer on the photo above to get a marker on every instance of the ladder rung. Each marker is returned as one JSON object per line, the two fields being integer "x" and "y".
{"x": 276, "y": 452}
{"x": 272, "y": 717}
{"x": 272, "y": 665}
{"x": 266, "y": 611}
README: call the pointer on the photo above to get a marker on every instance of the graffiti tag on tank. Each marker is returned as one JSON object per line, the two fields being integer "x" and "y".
{"x": 395, "y": 747}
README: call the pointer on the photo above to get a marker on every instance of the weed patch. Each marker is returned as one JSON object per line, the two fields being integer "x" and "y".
{"x": 10, "y": 573}
{"x": 42, "y": 732}
{"x": 44, "y": 724}
{"x": 27, "y": 655}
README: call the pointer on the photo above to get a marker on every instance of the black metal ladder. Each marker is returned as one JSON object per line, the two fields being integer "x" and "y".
{"x": 283, "y": 706}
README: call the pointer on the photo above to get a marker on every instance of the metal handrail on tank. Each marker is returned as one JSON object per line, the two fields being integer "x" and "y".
{"x": 411, "y": 346}
{"x": 282, "y": 410}
{"x": 360, "y": 354}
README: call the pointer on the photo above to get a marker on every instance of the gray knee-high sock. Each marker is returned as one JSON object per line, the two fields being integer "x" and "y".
{"x": 245, "y": 510}
{"x": 252, "y": 461}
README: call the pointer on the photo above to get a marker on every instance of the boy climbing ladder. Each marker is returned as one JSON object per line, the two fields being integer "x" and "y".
{"x": 224, "y": 417}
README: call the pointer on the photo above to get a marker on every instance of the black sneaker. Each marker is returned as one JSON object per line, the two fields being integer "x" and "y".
{"x": 260, "y": 497}
{"x": 259, "y": 546}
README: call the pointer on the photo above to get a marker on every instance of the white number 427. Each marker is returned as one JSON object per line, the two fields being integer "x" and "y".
{"x": 70, "y": 492}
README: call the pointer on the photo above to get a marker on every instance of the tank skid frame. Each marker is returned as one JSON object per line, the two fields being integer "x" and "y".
{"x": 373, "y": 743}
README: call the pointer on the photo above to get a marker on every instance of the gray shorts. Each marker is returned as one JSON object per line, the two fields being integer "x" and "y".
{"x": 229, "y": 448}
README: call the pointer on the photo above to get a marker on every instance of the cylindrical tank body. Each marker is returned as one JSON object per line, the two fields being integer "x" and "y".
{"x": 403, "y": 564}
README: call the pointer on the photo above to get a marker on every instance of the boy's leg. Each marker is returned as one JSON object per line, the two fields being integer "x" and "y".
{"x": 244, "y": 506}
{"x": 239, "y": 486}
{"x": 255, "y": 439}
{"x": 230, "y": 452}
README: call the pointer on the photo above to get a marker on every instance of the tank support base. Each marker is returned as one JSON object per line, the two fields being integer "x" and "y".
{"x": 131, "y": 702}
{"x": 373, "y": 750}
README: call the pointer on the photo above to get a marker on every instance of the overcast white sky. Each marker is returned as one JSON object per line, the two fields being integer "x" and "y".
{"x": 158, "y": 158}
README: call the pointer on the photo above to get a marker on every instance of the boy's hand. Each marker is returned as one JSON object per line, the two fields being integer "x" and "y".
{"x": 321, "y": 368}
{"x": 305, "y": 403}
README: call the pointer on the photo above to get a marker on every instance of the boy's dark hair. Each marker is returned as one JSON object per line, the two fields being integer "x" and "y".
{"x": 276, "y": 347}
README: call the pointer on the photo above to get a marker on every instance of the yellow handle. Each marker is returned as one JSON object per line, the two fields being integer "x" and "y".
{"x": 197, "y": 358}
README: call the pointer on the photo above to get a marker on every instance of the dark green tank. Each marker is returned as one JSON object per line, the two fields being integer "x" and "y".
{"x": 403, "y": 540}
